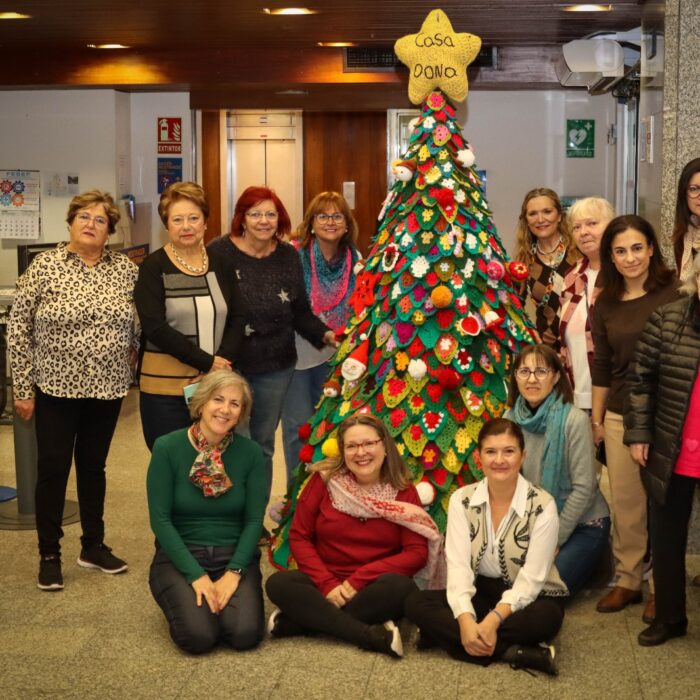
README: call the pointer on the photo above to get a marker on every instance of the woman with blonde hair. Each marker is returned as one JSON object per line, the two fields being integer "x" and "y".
{"x": 358, "y": 535}
{"x": 544, "y": 243}
{"x": 326, "y": 241}
{"x": 587, "y": 218}
{"x": 207, "y": 491}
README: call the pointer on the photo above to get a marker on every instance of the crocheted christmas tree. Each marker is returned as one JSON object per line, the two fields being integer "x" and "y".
{"x": 436, "y": 322}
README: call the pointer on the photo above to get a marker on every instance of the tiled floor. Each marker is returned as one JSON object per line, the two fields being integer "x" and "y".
{"x": 104, "y": 637}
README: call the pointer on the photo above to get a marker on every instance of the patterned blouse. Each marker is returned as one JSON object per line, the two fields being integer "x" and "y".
{"x": 72, "y": 326}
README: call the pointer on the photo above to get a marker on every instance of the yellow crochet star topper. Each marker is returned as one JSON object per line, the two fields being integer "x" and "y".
{"x": 437, "y": 57}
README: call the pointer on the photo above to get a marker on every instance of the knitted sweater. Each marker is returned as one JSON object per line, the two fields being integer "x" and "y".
{"x": 275, "y": 297}
{"x": 180, "y": 514}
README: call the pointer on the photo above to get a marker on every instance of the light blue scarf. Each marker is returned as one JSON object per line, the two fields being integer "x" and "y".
{"x": 550, "y": 419}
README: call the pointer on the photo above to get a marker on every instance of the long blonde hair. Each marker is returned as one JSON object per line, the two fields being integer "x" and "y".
{"x": 525, "y": 241}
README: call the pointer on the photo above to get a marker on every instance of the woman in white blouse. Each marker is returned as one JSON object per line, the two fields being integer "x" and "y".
{"x": 504, "y": 598}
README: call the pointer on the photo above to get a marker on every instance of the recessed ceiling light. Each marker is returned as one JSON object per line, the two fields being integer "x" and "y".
{"x": 587, "y": 8}
{"x": 14, "y": 15}
{"x": 288, "y": 11}
{"x": 336, "y": 44}
{"x": 107, "y": 46}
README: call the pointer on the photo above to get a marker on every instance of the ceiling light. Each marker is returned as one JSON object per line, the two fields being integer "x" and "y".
{"x": 336, "y": 44}
{"x": 587, "y": 8}
{"x": 107, "y": 46}
{"x": 288, "y": 11}
{"x": 14, "y": 15}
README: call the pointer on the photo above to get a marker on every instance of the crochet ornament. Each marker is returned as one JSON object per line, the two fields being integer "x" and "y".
{"x": 436, "y": 324}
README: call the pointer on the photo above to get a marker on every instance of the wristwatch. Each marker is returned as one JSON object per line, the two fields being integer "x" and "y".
{"x": 237, "y": 571}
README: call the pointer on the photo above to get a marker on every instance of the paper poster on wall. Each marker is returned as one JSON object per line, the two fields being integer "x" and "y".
{"x": 20, "y": 204}
{"x": 169, "y": 171}
{"x": 580, "y": 138}
{"x": 169, "y": 134}
{"x": 62, "y": 185}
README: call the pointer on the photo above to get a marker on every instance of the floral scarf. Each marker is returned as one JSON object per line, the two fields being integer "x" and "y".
{"x": 208, "y": 471}
{"x": 379, "y": 501}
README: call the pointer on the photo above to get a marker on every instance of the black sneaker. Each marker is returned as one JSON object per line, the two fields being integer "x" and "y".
{"x": 100, "y": 556}
{"x": 538, "y": 658}
{"x": 50, "y": 576}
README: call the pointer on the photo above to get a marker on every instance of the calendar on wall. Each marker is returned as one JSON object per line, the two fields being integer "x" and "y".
{"x": 20, "y": 214}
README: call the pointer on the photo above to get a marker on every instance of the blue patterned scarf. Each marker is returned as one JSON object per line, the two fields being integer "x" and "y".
{"x": 549, "y": 418}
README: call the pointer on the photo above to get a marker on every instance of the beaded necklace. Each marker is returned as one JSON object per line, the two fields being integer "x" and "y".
{"x": 555, "y": 258}
{"x": 191, "y": 268}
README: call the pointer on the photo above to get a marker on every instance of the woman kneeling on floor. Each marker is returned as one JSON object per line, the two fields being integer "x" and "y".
{"x": 504, "y": 598}
{"x": 358, "y": 535}
{"x": 207, "y": 491}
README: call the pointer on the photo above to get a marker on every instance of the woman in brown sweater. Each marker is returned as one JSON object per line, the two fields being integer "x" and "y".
{"x": 635, "y": 282}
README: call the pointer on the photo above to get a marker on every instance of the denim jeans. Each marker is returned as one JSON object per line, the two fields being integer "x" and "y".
{"x": 161, "y": 414}
{"x": 299, "y": 405}
{"x": 240, "y": 625}
{"x": 579, "y": 556}
{"x": 269, "y": 390}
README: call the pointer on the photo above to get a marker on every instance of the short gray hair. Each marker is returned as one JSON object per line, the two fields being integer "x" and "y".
{"x": 591, "y": 206}
{"x": 216, "y": 381}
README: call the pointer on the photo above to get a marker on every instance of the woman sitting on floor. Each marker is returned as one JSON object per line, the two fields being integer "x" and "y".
{"x": 207, "y": 491}
{"x": 560, "y": 459}
{"x": 358, "y": 535}
{"x": 504, "y": 598}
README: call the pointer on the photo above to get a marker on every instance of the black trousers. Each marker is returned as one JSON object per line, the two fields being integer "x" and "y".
{"x": 669, "y": 538}
{"x": 240, "y": 625}
{"x": 296, "y": 595}
{"x": 538, "y": 622}
{"x": 67, "y": 428}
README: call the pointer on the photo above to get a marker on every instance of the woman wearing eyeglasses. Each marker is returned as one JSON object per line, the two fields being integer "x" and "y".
{"x": 190, "y": 309}
{"x": 358, "y": 535}
{"x": 326, "y": 241}
{"x": 73, "y": 343}
{"x": 686, "y": 228}
{"x": 560, "y": 459}
{"x": 635, "y": 282}
{"x": 271, "y": 280}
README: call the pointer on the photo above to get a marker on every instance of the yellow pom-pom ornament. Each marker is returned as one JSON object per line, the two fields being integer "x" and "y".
{"x": 441, "y": 296}
{"x": 330, "y": 448}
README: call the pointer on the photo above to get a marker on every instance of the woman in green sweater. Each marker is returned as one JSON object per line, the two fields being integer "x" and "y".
{"x": 207, "y": 493}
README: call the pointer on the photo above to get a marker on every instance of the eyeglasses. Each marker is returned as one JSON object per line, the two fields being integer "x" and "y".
{"x": 257, "y": 215}
{"x": 180, "y": 221}
{"x": 85, "y": 218}
{"x": 367, "y": 445}
{"x": 525, "y": 373}
{"x": 693, "y": 191}
{"x": 336, "y": 218}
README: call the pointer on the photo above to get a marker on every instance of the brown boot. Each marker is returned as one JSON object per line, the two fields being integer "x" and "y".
{"x": 618, "y": 599}
{"x": 649, "y": 614}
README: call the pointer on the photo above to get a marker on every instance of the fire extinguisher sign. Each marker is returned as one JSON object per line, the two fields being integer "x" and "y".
{"x": 169, "y": 134}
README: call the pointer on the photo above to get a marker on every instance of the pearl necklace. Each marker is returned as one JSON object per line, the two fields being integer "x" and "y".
{"x": 549, "y": 254}
{"x": 191, "y": 268}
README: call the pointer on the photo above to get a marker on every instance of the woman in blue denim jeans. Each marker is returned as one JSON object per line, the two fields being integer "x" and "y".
{"x": 560, "y": 458}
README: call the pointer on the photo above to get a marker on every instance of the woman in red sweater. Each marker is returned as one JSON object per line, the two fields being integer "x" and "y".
{"x": 358, "y": 536}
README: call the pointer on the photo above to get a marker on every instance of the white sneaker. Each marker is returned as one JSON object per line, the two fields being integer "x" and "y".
{"x": 396, "y": 646}
{"x": 272, "y": 622}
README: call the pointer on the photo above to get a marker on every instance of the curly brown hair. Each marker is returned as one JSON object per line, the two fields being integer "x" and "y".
{"x": 90, "y": 199}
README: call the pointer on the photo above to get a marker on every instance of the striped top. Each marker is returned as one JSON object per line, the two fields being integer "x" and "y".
{"x": 186, "y": 320}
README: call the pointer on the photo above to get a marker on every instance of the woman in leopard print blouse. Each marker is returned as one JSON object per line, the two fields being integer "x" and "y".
{"x": 73, "y": 343}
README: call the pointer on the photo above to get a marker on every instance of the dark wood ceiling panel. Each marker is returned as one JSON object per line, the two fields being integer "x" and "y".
{"x": 220, "y": 23}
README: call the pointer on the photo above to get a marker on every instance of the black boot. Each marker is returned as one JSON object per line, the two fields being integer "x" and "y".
{"x": 538, "y": 658}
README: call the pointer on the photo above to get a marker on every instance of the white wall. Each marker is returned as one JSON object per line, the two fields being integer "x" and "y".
{"x": 108, "y": 138}
{"x": 518, "y": 138}
{"x": 145, "y": 110}
{"x": 67, "y": 131}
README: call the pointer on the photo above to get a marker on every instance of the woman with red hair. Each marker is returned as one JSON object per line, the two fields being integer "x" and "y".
{"x": 271, "y": 280}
